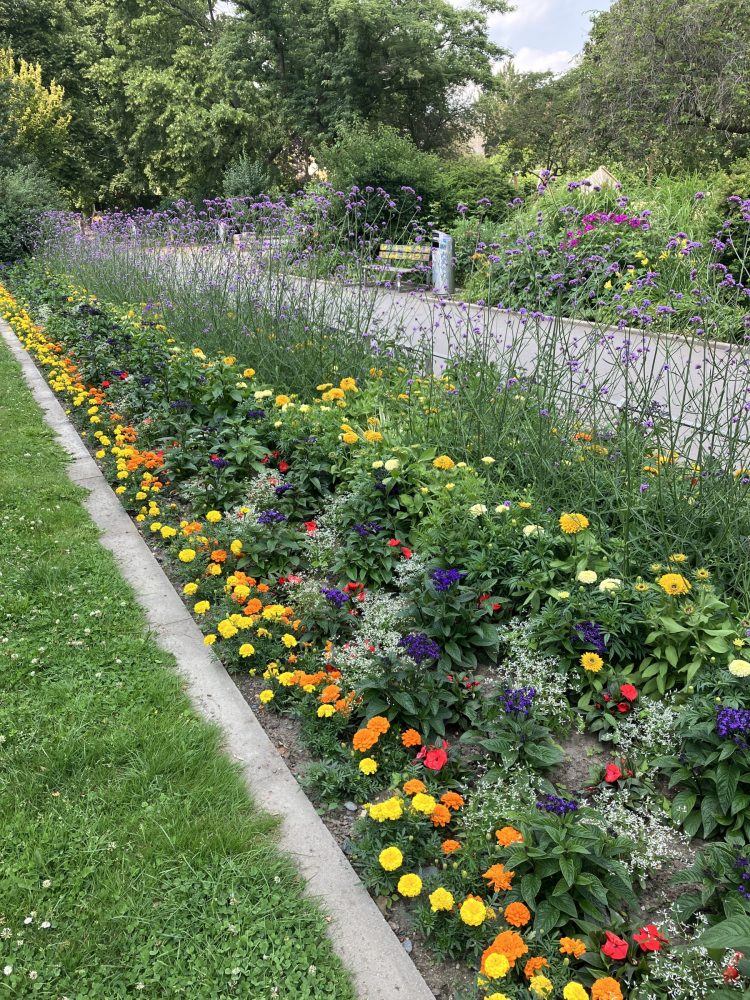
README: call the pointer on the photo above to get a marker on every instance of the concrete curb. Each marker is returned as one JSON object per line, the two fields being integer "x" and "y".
{"x": 367, "y": 946}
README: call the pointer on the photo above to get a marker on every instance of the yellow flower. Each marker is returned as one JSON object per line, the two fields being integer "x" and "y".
{"x": 348, "y": 384}
{"x": 678, "y": 557}
{"x": 409, "y": 885}
{"x": 496, "y": 965}
{"x": 391, "y": 465}
{"x": 574, "y": 991}
{"x": 477, "y": 510}
{"x": 186, "y": 555}
{"x": 497, "y": 996}
{"x": 473, "y": 912}
{"x": 372, "y": 436}
{"x": 288, "y": 640}
{"x": 368, "y": 765}
{"x": 214, "y": 516}
{"x": 739, "y": 668}
{"x": 226, "y": 629}
{"x": 571, "y": 524}
{"x": 326, "y": 711}
{"x": 190, "y": 589}
{"x": 611, "y": 583}
{"x": 441, "y": 899}
{"x": 282, "y": 400}
{"x": 702, "y": 574}
{"x": 390, "y": 859}
{"x": 487, "y": 460}
{"x": 443, "y": 462}
{"x": 423, "y": 803}
{"x": 524, "y": 504}
{"x": 209, "y": 640}
{"x": 592, "y": 662}
{"x": 229, "y": 360}
{"x": 541, "y": 986}
{"x": 214, "y": 569}
{"x": 198, "y": 353}
{"x": 350, "y": 437}
{"x": 201, "y": 607}
{"x": 265, "y": 696}
{"x": 674, "y": 584}
{"x": 236, "y": 547}
{"x": 641, "y": 587}
{"x": 563, "y": 595}
{"x": 286, "y": 679}
{"x": 248, "y": 373}
{"x": 247, "y": 649}
{"x": 587, "y": 576}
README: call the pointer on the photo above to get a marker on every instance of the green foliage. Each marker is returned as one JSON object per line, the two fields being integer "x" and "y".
{"x": 510, "y": 739}
{"x": 712, "y": 885}
{"x": 25, "y": 194}
{"x": 247, "y": 178}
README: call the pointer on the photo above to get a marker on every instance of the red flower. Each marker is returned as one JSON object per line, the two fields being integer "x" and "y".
{"x": 293, "y": 579}
{"x": 283, "y": 466}
{"x": 628, "y": 691}
{"x": 393, "y": 542}
{"x": 497, "y": 607}
{"x": 730, "y": 973}
{"x": 484, "y": 597}
{"x": 105, "y": 385}
{"x": 615, "y": 948}
{"x": 607, "y": 697}
{"x": 434, "y": 758}
{"x": 310, "y": 527}
{"x": 612, "y": 773}
{"x": 623, "y": 706}
{"x": 265, "y": 459}
{"x": 649, "y": 938}
{"x": 122, "y": 376}
{"x": 406, "y": 553}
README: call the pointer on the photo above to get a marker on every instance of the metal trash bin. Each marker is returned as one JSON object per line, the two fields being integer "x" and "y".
{"x": 442, "y": 265}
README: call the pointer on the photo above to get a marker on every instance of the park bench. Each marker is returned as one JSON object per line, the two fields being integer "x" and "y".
{"x": 400, "y": 259}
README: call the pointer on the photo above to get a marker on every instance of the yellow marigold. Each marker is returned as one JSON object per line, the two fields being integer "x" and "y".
{"x": 348, "y": 384}
{"x": 739, "y": 668}
{"x": 247, "y": 649}
{"x": 674, "y": 584}
{"x": 473, "y": 912}
{"x": 606, "y": 989}
{"x": 190, "y": 589}
{"x": 571, "y": 524}
{"x": 201, "y": 607}
{"x": 391, "y": 809}
{"x": 214, "y": 516}
{"x": 517, "y": 915}
{"x": 441, "y": 899}
{"x": 236, "y": 547}
{"x": 422, "y": 803}
{"x": 443, "y": 462}
{"x": 209, "y": 640}
{"x": 678, "y": 557}
{"x": 702, "y": 574}
{"x": 496, "y": 966}
{"x": 265, "y": 696}
{"x": 541, "y": 986}
{"x": 368, "y": 765}
{"x": 350, "y": 437}
{"x": 592, "y": 662}
{"x": 409, "y": 885}
{"x": 214, "y": 569}
{"x": 326, "y": 711}
{"x": 390, "y": 859}
{"x": 226, "y": 629}
{"x": 282, "y": 400}
{"x": 572, "y": 946}
{"x": 374, "y": 437}
{"x": 186, "y": 555}
{"x": 289, "y": 640}
{"x": 508, "y": 835}
{"x": 574, "y": 991}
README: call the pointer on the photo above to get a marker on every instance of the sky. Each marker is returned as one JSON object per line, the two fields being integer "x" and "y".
{"x": 544, "y": 34}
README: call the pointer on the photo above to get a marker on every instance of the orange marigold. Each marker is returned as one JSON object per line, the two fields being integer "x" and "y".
{"x": 218, "y": 556}
{"x": 452, "y": 799}
{"x": 533, "y": 966}
{"x": 413, "y": 786}
{"x": 411, "y": 738}
{"x": 606, "y": 989}
{"x": 517, "y": 915}
{"x": 510, "y": 944}
{"x": 342, "y": 705}
{"x": 572, "y": 946}
{"x": 508, "y": 835}
{"x": 378, "y": 724}
{"x": 263, "y": 588}
{"x": 450, "y": 846}
{"x": 254, "y": 606}
{"x": 330, "y": 694}
{"x": 498, "y": 877}
{"x": 364, "y": 739}
{"x": 441, "y": 815}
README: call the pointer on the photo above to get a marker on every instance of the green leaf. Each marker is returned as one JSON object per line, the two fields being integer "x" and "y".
{"x": 727, "y": 777}
{"x": 682, "y": 805}
{"x": 734, "y": 932}
{"x": 569, "y": 869}
{"x": 529, "y": 887}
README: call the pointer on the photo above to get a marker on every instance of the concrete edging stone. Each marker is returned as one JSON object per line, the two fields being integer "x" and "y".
{"x": 376, "y": 960}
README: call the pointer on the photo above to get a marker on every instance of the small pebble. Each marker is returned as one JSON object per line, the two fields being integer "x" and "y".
{"x": 351, "y": 806}
{"x": 408, "y": 946}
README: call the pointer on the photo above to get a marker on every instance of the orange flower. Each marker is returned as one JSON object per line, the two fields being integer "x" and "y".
{"x": 330, "y": 694}
{"x": 452, "y": 799}
{"x": 253, "y": 606}
{"x": 510, "y": 944}
{"x": 533, "y": 966}
{"x": 218, "y": 556}
{"x": 263, "y": 588}
{"x": 378, "y": 724}
{"x": 411, "y": 738}
{"x": 441, "y": 815}
{"x": 606, "y": 989}
{"x": 342, "y": 705}
{"x": 508, "y": 835}
{"x": 498, "y": 878}
{"x": 517, "y": 915}
{"x": 364, "y": 740}
{"x": 450, "y": 846}
{"x": 414, "y": 785}
{"x": 572, "y": 946}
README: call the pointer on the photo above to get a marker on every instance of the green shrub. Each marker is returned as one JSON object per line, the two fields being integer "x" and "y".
{"x": 247, "y": 178}
{"x": 25, "y": 194}
{"x": 472, "y": 179}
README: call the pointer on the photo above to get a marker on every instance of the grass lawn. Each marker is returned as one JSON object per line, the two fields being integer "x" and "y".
{"x": 132, "y": 863}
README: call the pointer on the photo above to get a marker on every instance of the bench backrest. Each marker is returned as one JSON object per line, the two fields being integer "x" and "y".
{"x": 405, "y": 251}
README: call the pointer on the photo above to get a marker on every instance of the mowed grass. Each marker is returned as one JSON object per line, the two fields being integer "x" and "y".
{"x": 132, "y": 863}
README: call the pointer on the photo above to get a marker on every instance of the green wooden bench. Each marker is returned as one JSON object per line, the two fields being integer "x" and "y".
{"x": 403, "y": 258}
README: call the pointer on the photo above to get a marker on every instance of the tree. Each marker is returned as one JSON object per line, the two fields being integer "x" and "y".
{"x": 667, "y": 82}
{"x": 33, "y": 124}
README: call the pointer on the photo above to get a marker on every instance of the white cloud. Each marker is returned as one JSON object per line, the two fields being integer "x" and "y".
{"x": 537, "y": 60}
{"x": 526, "y": 12}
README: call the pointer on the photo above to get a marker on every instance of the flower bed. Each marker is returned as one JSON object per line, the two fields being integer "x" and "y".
{"x": 448, "y": 644}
